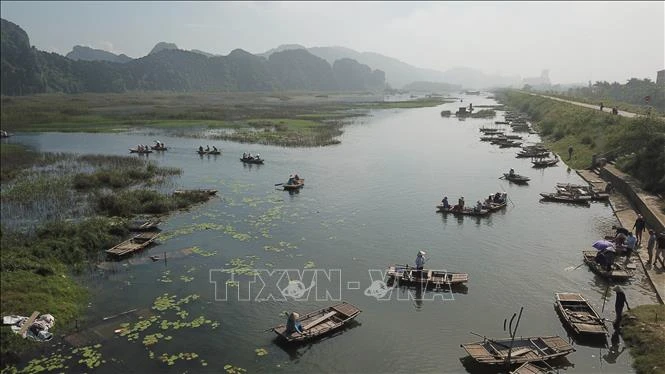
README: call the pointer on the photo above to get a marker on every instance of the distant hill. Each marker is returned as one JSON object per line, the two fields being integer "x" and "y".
{"x": 21, "y": 74}
{"x": 203, "y": 53}
{"x": 281, "y": 48}
{"x": 162, "y": 46}
{"x": 27, "y": 70}
{"x": 399, "y": 74}
{"x": 89, "y": 54}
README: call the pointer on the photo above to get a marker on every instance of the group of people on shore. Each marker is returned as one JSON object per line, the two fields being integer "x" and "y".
{"x": 624, "y": 242}
{"x": 615, "y": 111}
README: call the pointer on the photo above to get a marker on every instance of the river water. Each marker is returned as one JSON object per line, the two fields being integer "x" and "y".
{"x": 367, "y": 203}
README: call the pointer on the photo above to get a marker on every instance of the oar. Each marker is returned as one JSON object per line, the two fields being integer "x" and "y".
{"x": 576, "y": 267}
{"x": 279, "y": 184}
{"x": 605, "y": 298}
{"x": 495, "y": 342}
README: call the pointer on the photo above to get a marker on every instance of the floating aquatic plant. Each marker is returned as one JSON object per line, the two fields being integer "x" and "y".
{"x": 230, "y": 369}
{"x": 91, "y": 356}
{"x": 309, "y": 265}
{"x": 260, "y": 352}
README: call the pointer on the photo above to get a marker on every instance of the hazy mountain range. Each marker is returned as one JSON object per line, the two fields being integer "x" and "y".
{"x": 28, "y": 70}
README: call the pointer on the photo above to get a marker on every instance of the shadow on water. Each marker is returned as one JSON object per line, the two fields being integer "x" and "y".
{"x": 298, "y": 350}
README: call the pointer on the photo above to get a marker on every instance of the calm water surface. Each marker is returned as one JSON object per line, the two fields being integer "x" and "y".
{"x": 367, "y": 203}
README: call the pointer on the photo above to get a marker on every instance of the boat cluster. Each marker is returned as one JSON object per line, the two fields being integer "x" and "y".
{"x": 493, "y": 203}
{"x": 576, "y": 194}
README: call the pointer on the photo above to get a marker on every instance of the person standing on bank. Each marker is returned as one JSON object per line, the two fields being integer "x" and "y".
{"x": 639, "y": 227}
{"x": 570, "y": 151}
{"x": 618, "y": 306}
{"x": 650, "y": 244}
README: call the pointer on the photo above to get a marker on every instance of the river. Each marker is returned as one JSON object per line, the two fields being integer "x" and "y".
{"x": 367, "y": 203}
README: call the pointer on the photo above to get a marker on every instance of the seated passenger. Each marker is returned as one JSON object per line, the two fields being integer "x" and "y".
{"x": 293, "y": 325}
{"x": 445, "y": 203}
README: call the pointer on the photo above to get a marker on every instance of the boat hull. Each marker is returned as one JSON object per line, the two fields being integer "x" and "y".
{"x": 320, "y": 322}
{"x": 532, "y": 349}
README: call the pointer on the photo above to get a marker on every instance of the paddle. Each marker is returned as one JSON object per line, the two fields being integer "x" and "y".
{"x": 605, "y": 298}
{"x": 576, "y": 267}
{"x": 279, "y": 184}
{"x": 484, "y": 337}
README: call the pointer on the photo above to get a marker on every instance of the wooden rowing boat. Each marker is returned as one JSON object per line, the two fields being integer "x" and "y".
{"x": 516, "y": 178}
{"x": 572, "y": 189}
{"x": 578, "y": 315}
{"x": 562, "y": 198}
{"x": 133, "y": 244}
{"x": 144, "y": 225}
{"x": 406, "y": 275}
{"x": 543, "y": 163}
{"x": 298, "y": 183}
{"x": 618, "y": 272}
{"x": 529, "y": 368}
{"x": 252, "y": 160}
{"x": 465, "y": 212}
{"x": 195, "y": 191}
{"x": 134, "y": 150}
{"x": 156, "y": 148}
{"x": 319, "y": 322}
{"x": 493, "y": 207}
{"x": 532, "y": 349}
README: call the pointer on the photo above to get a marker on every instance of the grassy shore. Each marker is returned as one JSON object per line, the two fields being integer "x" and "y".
{"x": 289, "y": 119}
{"x": 636, "y": 143}
{"x": 643, "y": 329}
{"x": 38, "y": 262}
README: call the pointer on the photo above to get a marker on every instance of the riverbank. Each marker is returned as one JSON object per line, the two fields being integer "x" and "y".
{"x": 289, "y": 119}
{"x": 56, "y": 221}
{"x": 643, "y": 328}
{"x": 637, "y": 144}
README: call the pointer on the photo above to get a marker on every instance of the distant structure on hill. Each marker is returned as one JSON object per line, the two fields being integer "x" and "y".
{"x": 539, "y": 82}
{"x": 660, "y": 77}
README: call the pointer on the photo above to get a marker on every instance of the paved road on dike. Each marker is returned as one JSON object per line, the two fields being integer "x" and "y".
{"x": 590, "y": 106}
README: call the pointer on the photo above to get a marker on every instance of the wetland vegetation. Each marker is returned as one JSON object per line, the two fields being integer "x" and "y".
{"x": 64, "y": 212}
{"x": 296, "y": 119}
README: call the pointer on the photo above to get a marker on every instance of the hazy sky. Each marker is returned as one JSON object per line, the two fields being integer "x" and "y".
{"x": 577, "y": 41}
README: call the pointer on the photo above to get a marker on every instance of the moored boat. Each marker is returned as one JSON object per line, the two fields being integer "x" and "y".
{"x": 545, "y": 162}
{"x": 133, "y": 244}
{"x": 579, "y": 315}
{"x": 205, "y": 191}
{"x": 319, "y": 322}
{"x": 530, "y": 349}
{"x": 564, "y": 198}
{"x": 144, "y": 225}
{"x": 408, "y": 275}
{"x": 617, "y": 272}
